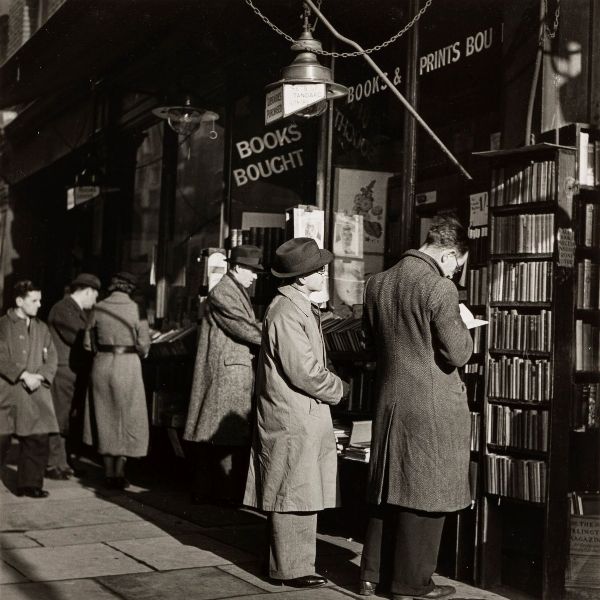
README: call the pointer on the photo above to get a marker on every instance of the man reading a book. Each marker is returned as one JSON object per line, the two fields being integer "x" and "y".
{"x": 419, "y": 468}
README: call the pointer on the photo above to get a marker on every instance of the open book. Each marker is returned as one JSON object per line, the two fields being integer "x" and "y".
{"x": 469, "y": 320}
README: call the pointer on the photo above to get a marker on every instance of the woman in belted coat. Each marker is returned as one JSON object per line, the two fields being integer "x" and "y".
{"x": 293, "y": 465}
{"x": 116, "y": 419}
{"x": 221, "y": 399}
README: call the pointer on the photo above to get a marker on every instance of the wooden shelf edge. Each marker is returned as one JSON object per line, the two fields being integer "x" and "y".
{"x": 545, "y": 405}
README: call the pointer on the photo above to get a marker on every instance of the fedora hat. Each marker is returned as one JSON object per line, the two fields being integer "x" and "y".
{"x": 299, "y": 256}
{"x": 246, "y": 256}
{"x": 85, "y": 280}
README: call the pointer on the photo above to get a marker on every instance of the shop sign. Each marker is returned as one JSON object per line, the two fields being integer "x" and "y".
{"x": 81, "y": 194}
{"x": 274, "y": 165}
{"x": 292, "y": 98}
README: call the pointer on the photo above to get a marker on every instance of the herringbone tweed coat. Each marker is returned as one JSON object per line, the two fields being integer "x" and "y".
{"x": 221, "y": 397}
{"x": 421, "y": 430}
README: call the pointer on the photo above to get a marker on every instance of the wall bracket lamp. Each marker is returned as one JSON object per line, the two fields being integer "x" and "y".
{"x": 185, "y": 118}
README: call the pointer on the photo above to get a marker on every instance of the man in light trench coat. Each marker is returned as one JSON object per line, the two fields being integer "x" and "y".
{"x": 27, "y": 367}
{"x": 421, "y": 432}
{"x": 293, "y": 464}
{"x": 221, "y": 399}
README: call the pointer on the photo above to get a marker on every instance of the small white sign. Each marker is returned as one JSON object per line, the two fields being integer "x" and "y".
{"x": 80, "y": 194}
{"x": 426, "y": 198}
{"x": 478, "y": 214}
{"x": 299, "y": 96}
{"x": 274, "y": 105}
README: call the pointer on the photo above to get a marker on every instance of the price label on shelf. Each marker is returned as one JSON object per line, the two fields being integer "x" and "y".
{"x": 566, "y": 247}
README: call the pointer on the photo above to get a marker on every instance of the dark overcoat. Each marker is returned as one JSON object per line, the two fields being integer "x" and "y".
{"x": 221, "y": 396}
{"x": 22, "y": 349}
{"x": 116, "y": 419}
{"x": 293, "y": 462}
{"x": 67, "y": 322}
{"x": 421, "y": 430}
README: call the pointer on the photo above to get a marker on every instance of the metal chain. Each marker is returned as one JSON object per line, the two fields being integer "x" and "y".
{"x": 551, "y": 33}
{"x": 341, "y": 54}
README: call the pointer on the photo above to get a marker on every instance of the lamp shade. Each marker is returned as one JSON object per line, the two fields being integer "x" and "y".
{"x": 184, "y": 118}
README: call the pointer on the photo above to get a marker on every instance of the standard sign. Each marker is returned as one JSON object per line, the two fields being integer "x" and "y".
{"x": 291, "y": 98}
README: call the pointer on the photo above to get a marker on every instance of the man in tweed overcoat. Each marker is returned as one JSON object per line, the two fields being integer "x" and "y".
{"x": 420, "y": 450}
{"x": 221, "y": 398}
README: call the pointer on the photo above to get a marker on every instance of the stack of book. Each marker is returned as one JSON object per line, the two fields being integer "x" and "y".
{"x": 359, "y": 447}
{"x": 359, "y": 451}
{"x": 172, "y": 342}
{"x": 343, "y": 335}
{"x": 342, "y": 435}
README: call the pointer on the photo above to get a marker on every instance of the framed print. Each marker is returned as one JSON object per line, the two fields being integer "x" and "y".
{"x": 364, "y": 193}
{"x": 348, "y": 235}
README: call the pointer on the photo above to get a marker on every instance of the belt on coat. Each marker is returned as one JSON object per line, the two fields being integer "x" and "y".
{"x": 116, "y": 349}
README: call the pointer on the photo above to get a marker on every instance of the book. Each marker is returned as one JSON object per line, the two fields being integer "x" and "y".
{"x": 468, "y": 318}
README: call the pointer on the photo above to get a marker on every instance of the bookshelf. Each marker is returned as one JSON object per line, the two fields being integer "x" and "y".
{"x": 583, "y": 567}
{"x": 528, "y": 369}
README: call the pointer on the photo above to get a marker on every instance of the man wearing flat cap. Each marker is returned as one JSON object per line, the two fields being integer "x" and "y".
{"x": 221, "y": 398}
{"x": 67, "y": 321}
{"x": 293, "y": 463}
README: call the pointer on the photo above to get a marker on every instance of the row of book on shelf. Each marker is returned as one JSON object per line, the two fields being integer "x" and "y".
{"x": 516, "y": 378}
{"x": 511, "y": 330}
{"x": 536, "y": 182}
{"x": 588, "y": 160}
{"x": 586, "y": 410}
{"x": 587, "y": 346}
{"x": 517, "y": 428}
{"x": 588, "y": 229}
{"x": 475, "y": 430}
{"x": 524, "y": 479}
{"x": 522, "y": 234}
{"x": 477, "y": 286}
{"x": 521, "y": 281}
{"x": 266, "y": 238}
{"x": 588, "y": 284}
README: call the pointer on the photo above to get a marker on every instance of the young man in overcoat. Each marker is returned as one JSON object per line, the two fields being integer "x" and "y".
{"x": 67, "y": 321}
{"x": 421, "y": 432}
{"x": 221, "y": 399}
{"x": 27, "y": 367}
{"x": 293, "y": 464}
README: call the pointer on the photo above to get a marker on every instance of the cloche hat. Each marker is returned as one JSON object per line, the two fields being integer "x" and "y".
{"x": 299, "y": 256}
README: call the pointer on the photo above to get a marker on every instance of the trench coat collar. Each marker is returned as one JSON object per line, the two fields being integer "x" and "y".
{"x": 239, "y": 286}
{"x": 297, "y": 297}
{"x": 424, "y": 257}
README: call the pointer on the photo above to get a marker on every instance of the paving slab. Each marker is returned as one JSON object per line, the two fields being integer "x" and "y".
{"x": 249, "y": 538}
{"x": 167, "y": 553}
{"x": 323, "y": 593}
{"x": 71, "y": 562}
{"x": 88, "y": 534}
{"x": 9, "y": 575}
{"x": 171, "y": 524}
{"x": 57, "y": 494}
{"x": 76, "y": 589}
{"x": 16, "y": 540}
{"x": 200, "y": 584}
{"x": 44, "y": 514}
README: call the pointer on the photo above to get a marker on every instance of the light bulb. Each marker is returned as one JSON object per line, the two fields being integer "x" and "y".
{"x": 184, "y": 120}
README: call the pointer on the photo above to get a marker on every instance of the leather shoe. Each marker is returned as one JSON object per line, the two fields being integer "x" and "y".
{"x": 56, "y": 473}
{"x": 32, "y": 492}
{"x": 367, "y": 588}
{"x": 439, "y": 591}
{"x": 308, "y": 581}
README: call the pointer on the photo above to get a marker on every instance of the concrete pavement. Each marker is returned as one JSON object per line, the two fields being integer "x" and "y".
{"x": 87, "y": 543}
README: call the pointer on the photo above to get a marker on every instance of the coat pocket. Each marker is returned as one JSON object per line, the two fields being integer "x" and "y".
{"x": 237, "y": 360}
